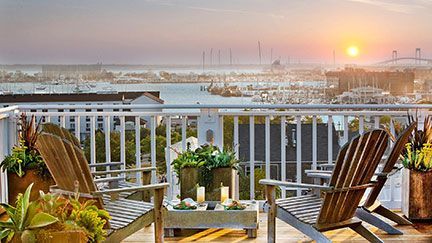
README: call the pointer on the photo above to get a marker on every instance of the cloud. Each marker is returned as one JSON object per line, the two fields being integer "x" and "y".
{"x": 236, "y": 11}
{"x": 217, "y": 10}
{"x": 395, "y": 6}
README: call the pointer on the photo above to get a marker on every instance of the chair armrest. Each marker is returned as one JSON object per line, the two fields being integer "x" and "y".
{"x": 132, "y": 189}
{"x": 109, "y": 179}
{"x": 105, "y": 164}
{"x": 292, "y": 184}
{"x": 319, "y": 175}
{"x": 319, "y": 171}
{"x": 145, "y": 169}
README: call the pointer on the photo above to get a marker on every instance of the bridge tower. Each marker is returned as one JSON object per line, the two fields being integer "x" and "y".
{"x": 418, "y": 56}
{"x": 394, "y": 56}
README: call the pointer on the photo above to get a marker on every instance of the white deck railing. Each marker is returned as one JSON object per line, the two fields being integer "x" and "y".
{"x": 93, "y": 117}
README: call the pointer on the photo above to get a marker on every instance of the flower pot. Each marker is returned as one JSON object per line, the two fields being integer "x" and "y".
{"x": 189, "y": 179}
{"x": 225, "y": 176}
{"x": 417, "y": 194}
{"x": 18, "y": 185}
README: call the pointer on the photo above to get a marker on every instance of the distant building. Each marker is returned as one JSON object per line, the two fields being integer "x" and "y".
{"x": 396, "y": 82}
{"x": 70, "y": 71}
{"x": 366, "y": 95}
{"x": 291, "y": 143}
{"x": 90, "y": 99}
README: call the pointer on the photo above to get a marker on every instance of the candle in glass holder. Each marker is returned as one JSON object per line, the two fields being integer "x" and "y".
{"x": 224, "y": 193}
{"x": 200, "y": 194}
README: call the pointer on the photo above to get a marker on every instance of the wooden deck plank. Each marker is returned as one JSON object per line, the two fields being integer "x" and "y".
{"x": 285, "y": 233}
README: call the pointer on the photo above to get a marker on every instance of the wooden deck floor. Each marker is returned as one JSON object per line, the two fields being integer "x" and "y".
{"x": 285, "y": 233}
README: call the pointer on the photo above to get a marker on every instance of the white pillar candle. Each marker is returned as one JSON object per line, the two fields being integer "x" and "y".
{"x": 224, "y": 193}
{"x": 200, "y": 194}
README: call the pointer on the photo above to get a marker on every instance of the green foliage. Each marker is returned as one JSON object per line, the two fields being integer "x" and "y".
{"x": 420, "y": 159}
{"x": 205, "y": 158}
{"x": 32, "y": 220}
{"x": 90, "y": 218}
{"x": 25, "y": 156}
{"x": 183, "y": 205}
{"x": 418, "y": 152}
{"x": 187, "y": 159}
{"x": 309, "y": 119}
{"x": 24, "y": 218}
{"x": 130, "y": 148}
{"x": 259, "y": 188}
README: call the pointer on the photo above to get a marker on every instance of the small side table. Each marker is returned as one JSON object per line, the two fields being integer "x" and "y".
{"x": 213, "y": 215}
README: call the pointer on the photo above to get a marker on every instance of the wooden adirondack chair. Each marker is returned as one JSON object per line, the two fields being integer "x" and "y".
{"x": 312, "y": 214}
{"x": 372, "y": 204}
{"x": 70, "y": 170}
{"x": 114, "y": 177}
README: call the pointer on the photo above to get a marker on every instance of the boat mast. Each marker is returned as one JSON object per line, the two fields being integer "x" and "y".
{"x": 259, "y": 51}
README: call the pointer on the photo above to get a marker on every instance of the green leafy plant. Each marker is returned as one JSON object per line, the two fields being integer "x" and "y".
{"x": 234, "y": 205}
{"x": 187, "y": 159}
{"x": 420, "y": 159}
{"x": 90, "y": 218}
{"x": 205, "y": 158}
{"x": 184, "y": 205}
{"x": 25, "y": 156}
{"x": 418, "y": 151}
{"x": 24, "y": 219}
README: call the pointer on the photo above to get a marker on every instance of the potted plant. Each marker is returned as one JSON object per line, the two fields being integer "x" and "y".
{"x": 24, "y": 165}
{"x": 53, "y": 218}
{"x": 207, "y": 166}
{"x": 24, "y": 219}
{"x": 417, "y": 175}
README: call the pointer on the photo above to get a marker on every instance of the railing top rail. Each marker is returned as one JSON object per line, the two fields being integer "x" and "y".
{"x": 8, "y": 109}
{"x": 225, "y": 113}
{"x": 235, "y": 106}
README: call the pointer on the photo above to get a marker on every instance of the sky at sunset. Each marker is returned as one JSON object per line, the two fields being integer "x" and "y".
{"x": 178, "y": 31}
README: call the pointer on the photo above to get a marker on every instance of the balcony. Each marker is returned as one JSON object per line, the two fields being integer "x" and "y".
{"x": 281, "y": 141}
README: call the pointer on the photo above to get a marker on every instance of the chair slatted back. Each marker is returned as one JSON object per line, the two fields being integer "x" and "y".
{"x": 61, "y": 132}
{"x": 66, "y": 162}
{"x": 354, "y": 168}
{"x": 390, "y": 163}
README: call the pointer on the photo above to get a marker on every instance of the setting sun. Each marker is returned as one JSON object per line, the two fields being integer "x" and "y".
{"x": 353, "y": 51}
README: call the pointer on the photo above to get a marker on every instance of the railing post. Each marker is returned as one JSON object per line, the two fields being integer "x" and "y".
{"x": 299, "y": 163}
{"x": 153, "y": 147}
{"x": 267, "y": 147}
{"x": 4, "y": 140}
{"x": 283, "y": 153}
{"x": 330, "y": 140}
{"x": 107, "y": 131}
{"x": 8, "y": 138}
{"x": 252, "y": 156}
{"x": 138, "y": 149}
{"x": 236, "y": 150}
{"x": 168, "y": 161}
{"x": 93, "y": 141}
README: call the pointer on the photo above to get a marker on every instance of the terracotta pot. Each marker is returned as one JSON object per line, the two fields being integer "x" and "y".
{"x": 417, "y": 194}
{"x": 18, "y": 184}
{"x": 189, "y": 180}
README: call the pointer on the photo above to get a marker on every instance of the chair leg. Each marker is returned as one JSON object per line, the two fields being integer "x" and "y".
{"x": 377, "y": 222}
{"x": 368, "y": 235}
{"x": 158, "y": 217}
{"x": 381, "y": 210}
